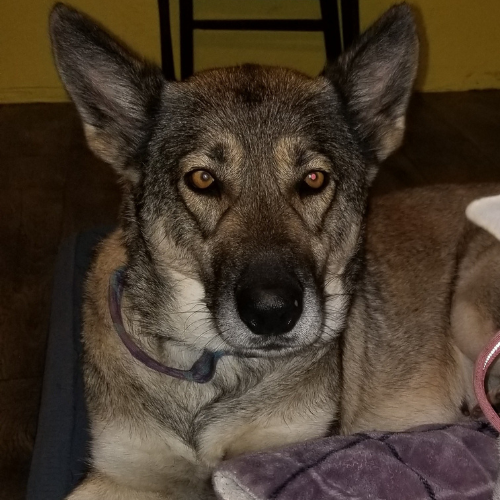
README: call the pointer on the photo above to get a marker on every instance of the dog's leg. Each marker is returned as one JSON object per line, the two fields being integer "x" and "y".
{"x": 475, "y": 315}
{"x": 485, "y": 213}
{"x": 98, "y": 486}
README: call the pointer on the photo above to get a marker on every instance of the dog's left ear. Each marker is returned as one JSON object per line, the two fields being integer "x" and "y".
{"x": 375, "y": 78}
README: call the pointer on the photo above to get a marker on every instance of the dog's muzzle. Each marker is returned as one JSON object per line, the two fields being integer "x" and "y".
{"x": 269, "y": 299}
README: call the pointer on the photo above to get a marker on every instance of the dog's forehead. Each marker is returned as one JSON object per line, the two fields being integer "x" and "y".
{"x": 236, "y": 114}
{"x": 255, "y": 102}
{"x": 255, "y": 84}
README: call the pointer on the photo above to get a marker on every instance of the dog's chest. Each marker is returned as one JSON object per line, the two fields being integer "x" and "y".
{"x": 224, "y": 431}
{"x": 224, "y": 440}
{"x": 263, "y": 419}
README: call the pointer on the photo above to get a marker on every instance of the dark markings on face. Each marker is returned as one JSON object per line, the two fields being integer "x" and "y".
{"x": 217, "y": 153}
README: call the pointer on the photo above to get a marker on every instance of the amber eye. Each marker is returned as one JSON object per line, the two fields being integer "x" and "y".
{"x": 201, "y": 179}
{"x": 315, "y": 179}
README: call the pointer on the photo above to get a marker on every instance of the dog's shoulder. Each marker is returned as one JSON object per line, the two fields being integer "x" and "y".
{"x": 109, "y": 255}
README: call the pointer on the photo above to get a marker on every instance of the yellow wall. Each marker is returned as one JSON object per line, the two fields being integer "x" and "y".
{"x": 460, "y": 41}
{"x": 27, "y": 72}
{"x": 460, "y": 49}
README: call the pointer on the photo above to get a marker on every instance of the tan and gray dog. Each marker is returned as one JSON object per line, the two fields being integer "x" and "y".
{"x": 239, "y": 306}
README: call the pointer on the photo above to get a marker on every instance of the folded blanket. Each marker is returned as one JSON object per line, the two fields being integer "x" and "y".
{"x": 452, "y": 462}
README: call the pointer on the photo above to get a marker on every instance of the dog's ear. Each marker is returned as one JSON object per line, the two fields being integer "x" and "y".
{"x": 375, "y": 78}
{"x": 485, "y": 212}
{"x": 115, "y": 93}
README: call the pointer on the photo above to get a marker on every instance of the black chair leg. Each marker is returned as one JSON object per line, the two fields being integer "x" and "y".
{"x": 167, "y": 56}
{"x": 186, "y": 36}
{"x": 331, "y": 29}
{"x": 350, "y": 21}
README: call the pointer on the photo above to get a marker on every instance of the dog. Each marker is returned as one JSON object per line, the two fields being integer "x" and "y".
{"x": 252, "y": 297}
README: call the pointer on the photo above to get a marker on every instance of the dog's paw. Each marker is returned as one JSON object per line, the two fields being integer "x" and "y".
{"x": 493, "y": 397}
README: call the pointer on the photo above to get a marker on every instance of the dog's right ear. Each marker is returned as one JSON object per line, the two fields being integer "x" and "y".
{"x": 115, "y": 93}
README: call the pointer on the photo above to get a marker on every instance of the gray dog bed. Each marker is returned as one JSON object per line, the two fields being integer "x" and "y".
{"x": 60, "y": 455}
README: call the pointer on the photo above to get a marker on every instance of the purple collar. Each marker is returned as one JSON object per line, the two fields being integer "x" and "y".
{"x": 203, "y": 369}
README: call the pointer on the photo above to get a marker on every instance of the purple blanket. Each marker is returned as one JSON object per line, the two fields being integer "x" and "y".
{"x": 452, "y": 462}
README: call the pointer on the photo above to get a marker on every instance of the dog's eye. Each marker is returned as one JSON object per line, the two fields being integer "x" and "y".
{"x": 200, "y": 179}
{"x": 315, "y": 179}
{"x": 313, "y": 182}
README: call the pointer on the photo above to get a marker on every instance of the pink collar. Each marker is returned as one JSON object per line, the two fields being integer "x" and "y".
{"x": 485, "y": 359}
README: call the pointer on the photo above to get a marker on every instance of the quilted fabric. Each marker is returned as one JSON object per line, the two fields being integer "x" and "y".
{"x": 452, "y": 462}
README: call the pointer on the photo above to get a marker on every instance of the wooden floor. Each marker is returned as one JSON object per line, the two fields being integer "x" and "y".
{"x": 51, "y": 187}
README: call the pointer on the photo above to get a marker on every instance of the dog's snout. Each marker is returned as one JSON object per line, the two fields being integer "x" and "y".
{"x": 269, "y": 303}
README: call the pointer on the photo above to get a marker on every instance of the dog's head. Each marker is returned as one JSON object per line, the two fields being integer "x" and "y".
{"x": 244, "y": 188}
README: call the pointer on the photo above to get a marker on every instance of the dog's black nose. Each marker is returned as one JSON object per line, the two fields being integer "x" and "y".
{"x": 269, "y": 303}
